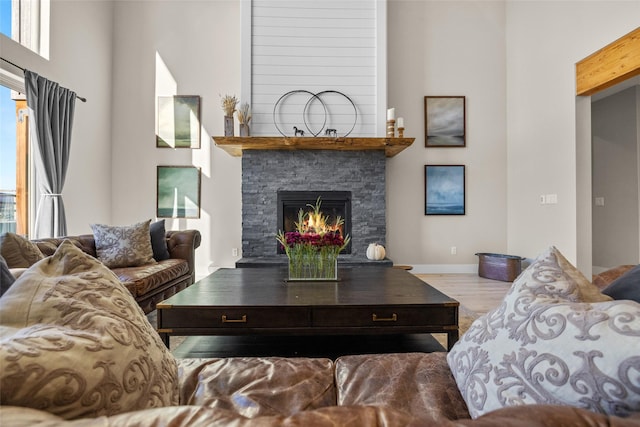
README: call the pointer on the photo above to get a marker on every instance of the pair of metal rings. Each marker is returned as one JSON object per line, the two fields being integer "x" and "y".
{"x": 314, "y": 97}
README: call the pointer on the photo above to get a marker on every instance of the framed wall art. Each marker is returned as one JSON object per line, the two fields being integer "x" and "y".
{"x": 444, "y": 121}
{"x": 178, "y": 192}
{"x": 178, "y": 122}
{"x": 444, "y": 189}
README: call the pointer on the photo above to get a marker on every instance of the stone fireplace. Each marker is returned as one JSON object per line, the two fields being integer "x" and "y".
{"x": 358, "y": 176}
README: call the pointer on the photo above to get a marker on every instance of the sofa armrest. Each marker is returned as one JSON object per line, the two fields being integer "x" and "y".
{"x": 182, "y": 244}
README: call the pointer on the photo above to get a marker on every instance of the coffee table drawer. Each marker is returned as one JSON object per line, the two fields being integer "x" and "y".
{"x": 235, "y": 317}
{"x": 383, "y": 316}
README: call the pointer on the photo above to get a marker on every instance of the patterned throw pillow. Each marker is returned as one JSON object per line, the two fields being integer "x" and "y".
{"x": 74, "y": 342}
{"x": 126, "y": 246}
{"x": 19, "y": 252}
{"x": 553, "y": 340}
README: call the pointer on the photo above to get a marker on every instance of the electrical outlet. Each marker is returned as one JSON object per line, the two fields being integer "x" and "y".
{"x": 234, "y": 252}
{"x": 454, "y": 250}
{"x": 543, "y": 199}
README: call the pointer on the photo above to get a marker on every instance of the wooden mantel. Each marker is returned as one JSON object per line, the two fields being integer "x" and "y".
{"x": 236, "y": 145}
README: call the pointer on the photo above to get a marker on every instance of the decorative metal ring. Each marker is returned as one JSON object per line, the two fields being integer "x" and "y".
{"x": 317, "y": 95}
{"x": 313, "y": 95}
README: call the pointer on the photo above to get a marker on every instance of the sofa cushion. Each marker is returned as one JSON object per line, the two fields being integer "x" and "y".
{"x": 626, "y": 286}
{"x": 74, "y": 342}
{"x": 255, "y": 386}
{"x": 123, "y": 246}
{"x": 19, "y": 252}
{"x": 554, "y": 339}
{"x": 147, "y": 278}
{"x": 159, "y": 241}
{"x": 416, "y": 383}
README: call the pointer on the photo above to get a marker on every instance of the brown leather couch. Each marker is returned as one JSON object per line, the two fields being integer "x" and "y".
{"x": 411, "y": 389}
{"x": 151, "y": 283}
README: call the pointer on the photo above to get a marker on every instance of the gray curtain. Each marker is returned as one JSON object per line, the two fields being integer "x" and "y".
{"x": 51, "y": 109}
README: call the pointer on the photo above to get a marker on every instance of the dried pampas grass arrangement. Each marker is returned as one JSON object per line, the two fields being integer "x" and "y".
{"x": 229, "y": 104}
{"x": 244, "y": 113}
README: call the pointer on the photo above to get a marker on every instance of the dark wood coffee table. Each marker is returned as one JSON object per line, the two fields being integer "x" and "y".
{"x": 259, "y": 301}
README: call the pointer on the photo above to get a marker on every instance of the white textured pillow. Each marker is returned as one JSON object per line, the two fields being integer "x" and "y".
{"x": 74, "y": 342}
{"x": 554, "y": 340}
{"x": 123, "y": 246}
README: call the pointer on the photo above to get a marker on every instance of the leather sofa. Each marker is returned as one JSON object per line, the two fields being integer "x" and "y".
{"x": 364, "y": 390}
{"x": 151, "y": 283}
{"x": 75, "y": 350}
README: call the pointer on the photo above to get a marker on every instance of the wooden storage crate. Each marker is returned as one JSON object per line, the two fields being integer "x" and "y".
{"x": 499, "y": 266}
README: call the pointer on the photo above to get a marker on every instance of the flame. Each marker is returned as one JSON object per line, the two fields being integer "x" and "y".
{"x": 315, "y": 221}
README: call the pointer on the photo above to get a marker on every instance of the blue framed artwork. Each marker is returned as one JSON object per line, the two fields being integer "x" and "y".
{"x": 444, "y": 190}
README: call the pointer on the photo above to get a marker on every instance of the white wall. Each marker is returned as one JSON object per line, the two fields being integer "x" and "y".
{"x": 198, "y": 46}
{"x": 448, "y": 48}
{"x": 544, "y": 41}
{"x": 80, "y": 59}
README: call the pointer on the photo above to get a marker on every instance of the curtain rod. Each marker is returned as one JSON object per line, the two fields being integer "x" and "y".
{"x": 19, "y": 67}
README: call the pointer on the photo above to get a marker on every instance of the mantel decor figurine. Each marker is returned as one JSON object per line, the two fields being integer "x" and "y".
{"x": 229, "y": 107}
{"x": 314, "y": 247}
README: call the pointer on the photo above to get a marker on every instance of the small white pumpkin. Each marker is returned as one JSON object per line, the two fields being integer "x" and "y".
{"x": 376, "y": 252}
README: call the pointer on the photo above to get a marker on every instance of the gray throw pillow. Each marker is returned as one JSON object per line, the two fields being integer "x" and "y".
{"x": 123, "y": 246}
{"x": 6, "y": 278}
{"x": 158, "y": 241}
{"x": 626, "y": 286}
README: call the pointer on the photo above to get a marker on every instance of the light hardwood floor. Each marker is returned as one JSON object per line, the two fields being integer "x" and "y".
{"x": 474, "y": 292}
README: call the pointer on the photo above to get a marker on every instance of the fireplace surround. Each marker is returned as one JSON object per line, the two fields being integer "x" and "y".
{"x": 265, "y": 173}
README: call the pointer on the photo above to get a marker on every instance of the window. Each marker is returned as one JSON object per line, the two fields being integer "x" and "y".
{"x": 14, "y": 162}
{"x": 27, "y": 22}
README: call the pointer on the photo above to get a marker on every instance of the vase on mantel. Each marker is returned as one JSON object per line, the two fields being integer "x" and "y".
{"x": 228, "y": 125}
{"x": 244, "y": 129}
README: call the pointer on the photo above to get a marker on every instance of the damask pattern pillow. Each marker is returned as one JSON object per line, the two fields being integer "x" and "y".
{"x": 19, "y": 252}
{"x": 74, "y": 342}
{"x": 123, "y": 246}
{"x": 553, "y": 340}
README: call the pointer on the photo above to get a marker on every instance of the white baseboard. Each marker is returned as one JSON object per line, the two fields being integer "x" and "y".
{"x": 445, "y": 268}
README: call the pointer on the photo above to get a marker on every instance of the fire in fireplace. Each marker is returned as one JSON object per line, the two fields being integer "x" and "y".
{"x": 334, "y": 204}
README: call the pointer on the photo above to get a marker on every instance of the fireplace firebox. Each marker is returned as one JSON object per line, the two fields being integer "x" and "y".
{"x": 334, "y": 204}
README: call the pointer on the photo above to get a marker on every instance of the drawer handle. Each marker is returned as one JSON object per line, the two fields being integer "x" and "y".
{"x": 242, "y": 320}
{"x": 393, "y": 318}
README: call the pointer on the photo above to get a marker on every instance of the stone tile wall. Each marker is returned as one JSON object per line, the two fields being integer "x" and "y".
{"x": 265, "y": 172}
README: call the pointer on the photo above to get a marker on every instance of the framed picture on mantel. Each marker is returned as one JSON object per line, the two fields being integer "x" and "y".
{"x": 444, "y": 121}
{"x": 444, "y": 190}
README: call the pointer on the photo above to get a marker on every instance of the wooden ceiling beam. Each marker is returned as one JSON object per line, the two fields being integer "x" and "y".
{"x": 614, "y": 63}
